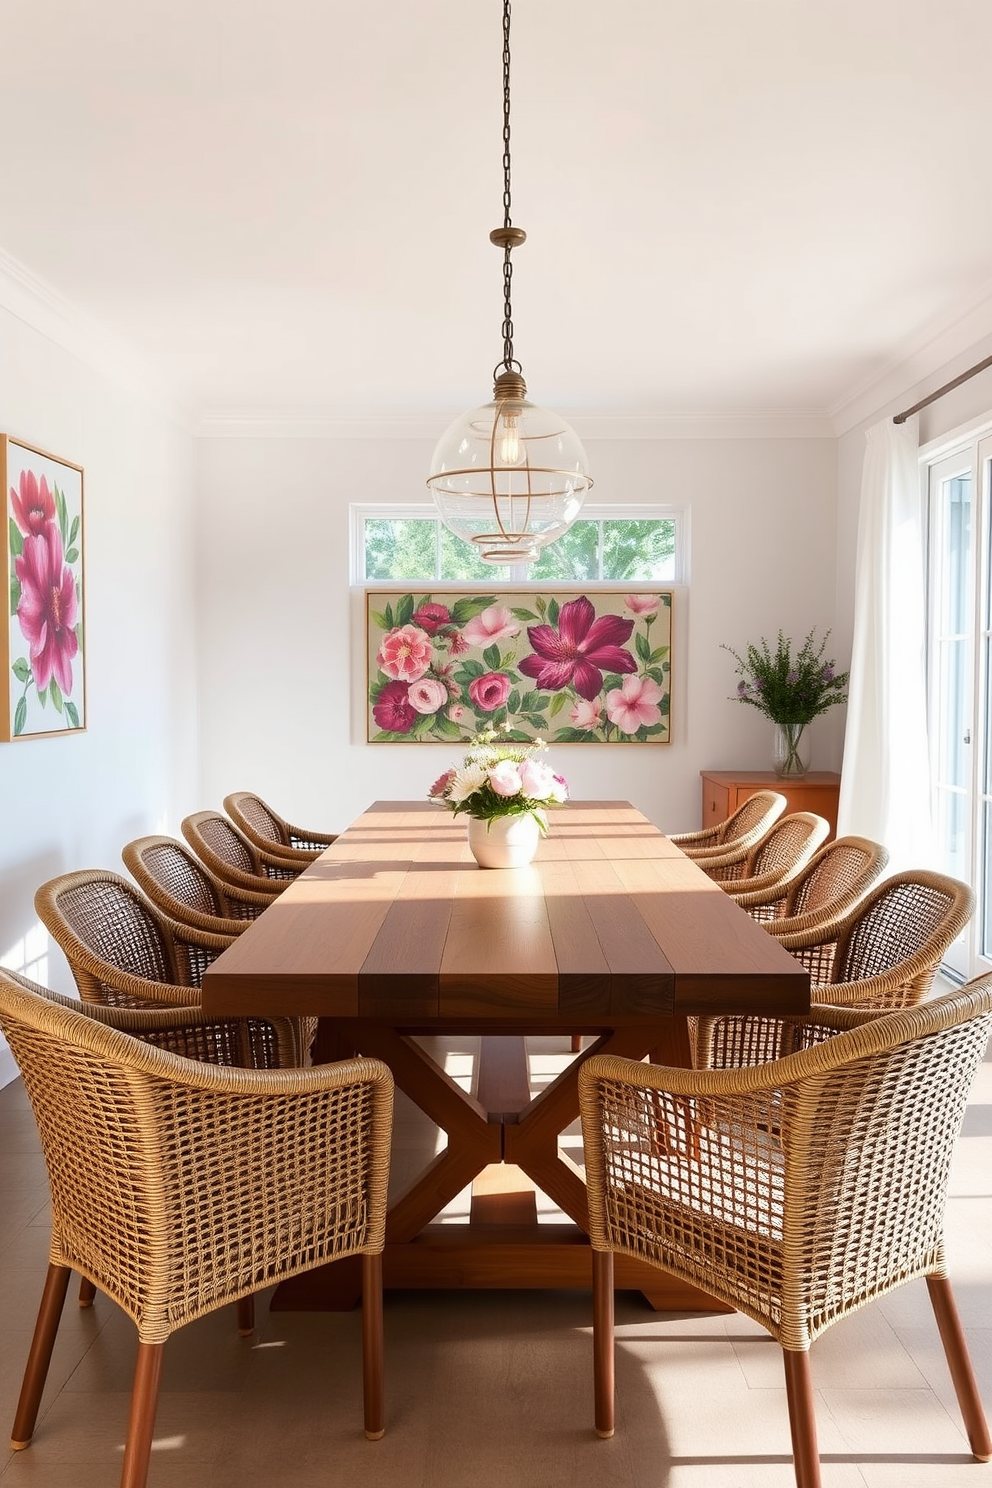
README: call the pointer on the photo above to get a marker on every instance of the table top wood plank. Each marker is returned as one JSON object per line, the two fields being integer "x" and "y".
{"x": 611, "y": 924}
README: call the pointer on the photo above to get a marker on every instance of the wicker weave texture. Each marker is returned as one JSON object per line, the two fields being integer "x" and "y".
{"x": 265, "y": 827}
{"x": 831, "y": 884}
{"x": 178, "y": 1186}
{"x": 746, "y": 826}
{"x": 228, "y": 853}
{"x": 795, "y": 1191}
{"x": 185, "y": 889}
{"x": 884, "y": 953}
{"x": 80, "y": 911}
{"x": 775, "y": 859}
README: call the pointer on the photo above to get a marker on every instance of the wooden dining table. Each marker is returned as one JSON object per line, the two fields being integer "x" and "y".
{"x": 394, "y": 938}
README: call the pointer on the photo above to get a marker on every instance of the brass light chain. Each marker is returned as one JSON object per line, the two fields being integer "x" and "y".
{"x": 508, "y": 236}
{"x": 507, "y": 265}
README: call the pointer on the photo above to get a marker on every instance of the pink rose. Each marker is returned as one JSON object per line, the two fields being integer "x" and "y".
{"x": 457, "y": 712}
{"x": 431, "y": 617}
{"x": 536, "y": 780}
{"x": 634, "y": 704}
{"x": 505, "y": 778}
{"x": 405, "y": 653}
{"x": 494, "y": 624}
{"x": 584, "y": 714}
{"x": 489, "y": 691}
{"x": 642, "y": 604}
{"x": 392, "y": 712}
{"x": 427, "y": 695}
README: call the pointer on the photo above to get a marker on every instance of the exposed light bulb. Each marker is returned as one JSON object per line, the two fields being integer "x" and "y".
{"x": 510, "y": 445}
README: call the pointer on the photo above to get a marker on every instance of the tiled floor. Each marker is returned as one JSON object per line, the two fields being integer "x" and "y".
{"x": 489, "y": 1390}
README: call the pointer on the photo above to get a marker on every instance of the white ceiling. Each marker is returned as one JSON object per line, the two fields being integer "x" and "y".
{"x": 732, "y": 206}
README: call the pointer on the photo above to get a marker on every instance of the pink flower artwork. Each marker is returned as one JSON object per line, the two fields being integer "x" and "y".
{"x": 579, "y": 651}
{"x": 634, "y": 704}
{"x": 47, "y": 610}
{"x": 570, "y": 668}
{"x": 405, "y": 653}
{"x": 497, "y": 623}
{"x": 393, "y": 712}
{"x": 427, "y": 695}
{"x": 46, "y": 681}
{"x": 489, "y": 691}
{"x": 32, "y": 503}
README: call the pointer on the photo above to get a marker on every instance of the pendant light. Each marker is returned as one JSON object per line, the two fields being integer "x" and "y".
{"x": 509, "y": 477}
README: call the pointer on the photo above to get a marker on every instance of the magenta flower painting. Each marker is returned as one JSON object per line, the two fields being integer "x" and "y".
{"x": 45, "y": 692}
{"x": 569, "y": 668}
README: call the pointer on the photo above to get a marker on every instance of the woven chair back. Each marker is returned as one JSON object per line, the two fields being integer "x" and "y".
{"x": 111, "y": 920}
{"x": 789, "y": 844}
{"x": 164, "y": 864}
{"x": 909, "y": 915}
{"x": 758, "y": 811}
{"x": 841, "y": 869}
{"x": 225, "y": 841}
{"x": 250, "y": 810}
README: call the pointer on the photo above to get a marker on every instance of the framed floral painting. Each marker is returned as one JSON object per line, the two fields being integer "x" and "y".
{"x": 572, "y": 668}
{"x": 45, "y": 691}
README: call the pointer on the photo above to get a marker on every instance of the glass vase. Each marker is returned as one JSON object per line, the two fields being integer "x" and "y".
{"x": 504, "y": 841}
{"x": 791, "y": 749}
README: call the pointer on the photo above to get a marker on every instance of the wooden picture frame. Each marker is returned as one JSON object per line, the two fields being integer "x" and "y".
{"x": 575, "y": 667}
{"x": 43, "y": 634}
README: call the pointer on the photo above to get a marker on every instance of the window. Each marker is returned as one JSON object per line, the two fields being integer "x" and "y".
{"x": 959, "y": 682}
{"x": 644, "y": 544}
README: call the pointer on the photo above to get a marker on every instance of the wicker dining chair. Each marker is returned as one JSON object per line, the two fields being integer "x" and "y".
{"x": 795, "y": 1191}
{"x": 178, "y": 1187}
{"x": 121, "y": 950}
{"x": 188, "y": 1031}
{"x": 776, "y": 858}
{"x": 271, "y": 832}
{"x": 830, "y": 885}
{"x": 185, "y": 889}
{"x": 745, "y": 827}
{"x": 233, "y": 858}
{"x": 882, "y": 955}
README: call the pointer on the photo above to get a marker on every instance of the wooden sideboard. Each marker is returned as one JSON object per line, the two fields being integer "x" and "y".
{"x": 725, "y": 790}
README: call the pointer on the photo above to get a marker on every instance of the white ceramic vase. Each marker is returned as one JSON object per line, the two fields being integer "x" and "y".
{"x": 504, "y": 841}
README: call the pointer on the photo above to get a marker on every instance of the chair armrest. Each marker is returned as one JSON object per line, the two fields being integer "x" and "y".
{"x": 313, "y": 842}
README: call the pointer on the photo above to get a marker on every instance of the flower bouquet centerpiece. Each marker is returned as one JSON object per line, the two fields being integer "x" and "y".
{"x": 505, "y": 791}
{"x": 790, "y": 690}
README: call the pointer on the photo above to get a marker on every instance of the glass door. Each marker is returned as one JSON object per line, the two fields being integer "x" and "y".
{"x": 959, "y": 666}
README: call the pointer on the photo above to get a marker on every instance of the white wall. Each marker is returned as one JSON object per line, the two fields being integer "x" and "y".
{"x": 72, "y": 801}
{"x": 283, "y": 670}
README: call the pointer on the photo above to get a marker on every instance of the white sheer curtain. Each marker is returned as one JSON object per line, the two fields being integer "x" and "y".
{"x": 885, "y": 784}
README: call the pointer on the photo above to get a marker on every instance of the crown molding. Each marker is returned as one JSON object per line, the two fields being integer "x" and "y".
{"x": 366, "y": 424}
{"x": 925, "y": 358}
{"x": 39, "y": 305}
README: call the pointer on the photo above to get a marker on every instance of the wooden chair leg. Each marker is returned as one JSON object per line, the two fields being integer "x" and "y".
{"x": 959, "y": 1363}
{"x": 246, "y": 1316}
{"x": 802, "y": 1419}
{"x": 372, "y": 1350}
{"x": 141, "y": 1422}
{"x": 576, "y": 1042}
{"x": 40, "y": 1355}
{"x": 603, "y": 1352}
{"x": 87, "y": 1292}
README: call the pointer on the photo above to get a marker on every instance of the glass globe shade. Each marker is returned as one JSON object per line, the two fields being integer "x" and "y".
{"x": 509, "y": 478}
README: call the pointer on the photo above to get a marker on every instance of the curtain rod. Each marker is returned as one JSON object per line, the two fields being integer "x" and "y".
{"x": 900, "y": 418}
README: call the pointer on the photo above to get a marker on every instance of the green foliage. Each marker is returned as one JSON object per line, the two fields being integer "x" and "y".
{"x": 789, "y": 689}
{"x": 622, "y": 550}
